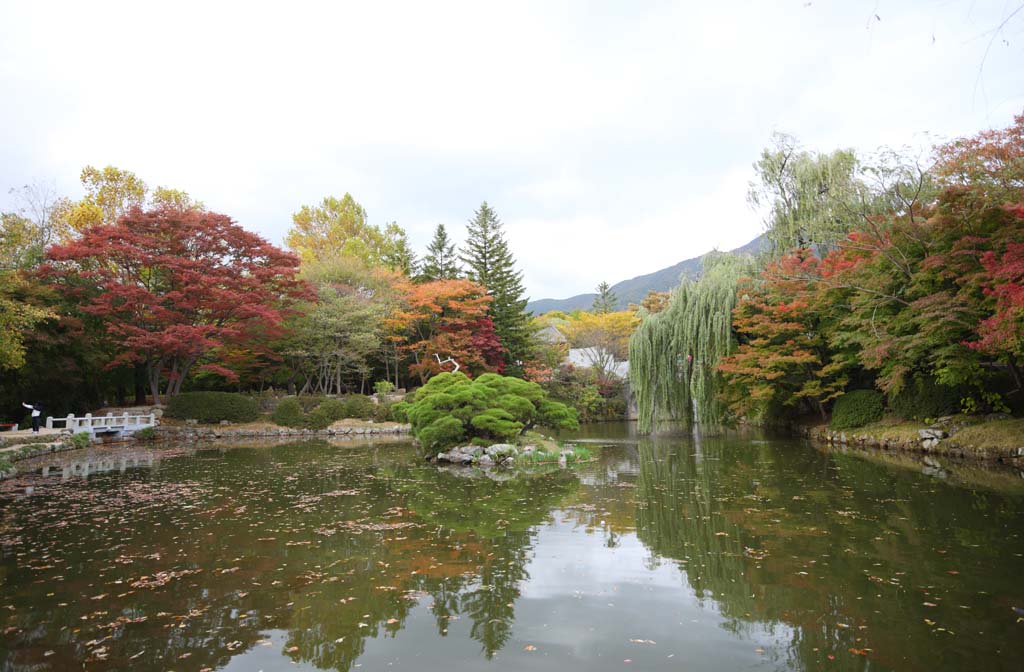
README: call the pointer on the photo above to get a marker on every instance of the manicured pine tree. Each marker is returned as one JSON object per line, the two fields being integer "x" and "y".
{"x": 489, "y": 262}
{"x": 605, "y": 301}
{"x": 440, "y": 262}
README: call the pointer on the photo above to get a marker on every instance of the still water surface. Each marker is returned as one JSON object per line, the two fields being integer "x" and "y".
{"x": 730, "y": 553}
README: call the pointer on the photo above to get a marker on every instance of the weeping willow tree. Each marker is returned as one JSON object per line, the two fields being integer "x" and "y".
{"x": 809, "y": 199}
{"x": 673, "y": 353}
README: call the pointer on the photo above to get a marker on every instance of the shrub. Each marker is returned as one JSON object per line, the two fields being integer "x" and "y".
{"x": 81, "y": 440}
{"x": 359, "y": 406}
{"x": 145, "y": 434}
{"x": 382, "y": 387}
{"x": 327, "y": 413}
{"x": 856, "y": 409}
{"x": 923, "y": 398}
{"x": 451, "y": 408}
{"x": 209, "y": 407}
{"x": 289, "y": 413}
{"x": 400, "y": 411}
{"x": 382, "y": 412}
{"x": 309, "y": 403}
{"x": 442, "y": 432}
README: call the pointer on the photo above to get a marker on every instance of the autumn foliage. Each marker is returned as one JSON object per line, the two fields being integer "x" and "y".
{"x": 174, "y": 286}
{"x": 446, "y": 319}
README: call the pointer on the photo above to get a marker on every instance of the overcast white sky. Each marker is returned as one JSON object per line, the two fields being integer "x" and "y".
{"x": 613, "y": 138}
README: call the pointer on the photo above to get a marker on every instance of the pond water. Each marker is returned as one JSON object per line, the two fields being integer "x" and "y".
{"x": 728, "y": 553}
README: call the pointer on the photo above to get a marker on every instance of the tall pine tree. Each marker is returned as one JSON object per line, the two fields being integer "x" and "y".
{"x": 605, "y": 301}
{"x": 440, "y": 262}
{"x": 489, "y": 262}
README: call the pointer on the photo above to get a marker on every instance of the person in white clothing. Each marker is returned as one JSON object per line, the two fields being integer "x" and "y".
{"x": 37, "y": 410}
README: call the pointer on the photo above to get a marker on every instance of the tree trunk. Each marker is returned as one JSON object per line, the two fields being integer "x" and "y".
{"x": 153, "y": 373}
{"x": 140, "y": 383}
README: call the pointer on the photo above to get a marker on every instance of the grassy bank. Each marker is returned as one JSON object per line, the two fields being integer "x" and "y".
{"x": 975, "y": 437}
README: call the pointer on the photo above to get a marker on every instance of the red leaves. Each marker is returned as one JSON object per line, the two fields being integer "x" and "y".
{"x": 1004, "y": 330}
{"x": 175, "y": 284}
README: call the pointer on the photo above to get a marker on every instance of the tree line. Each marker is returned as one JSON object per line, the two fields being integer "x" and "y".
{"x": 884, "y": 273}
{"x": 132, "y": 294}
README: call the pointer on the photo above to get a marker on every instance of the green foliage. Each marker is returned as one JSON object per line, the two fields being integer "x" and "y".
{"x": 400, "y": 411}
{"x": 382, "y": 412}
{"x": 382, "y": 387}
{"x": 442, "y": 431}
{"x": 326, "y": 413}
{"x": 451, "y": 408}
{"x": 812, "y": 198}
{"x": 322, "y": 412}
{"x": 856, "y": 409}
{"x": 81, "y": 440}
{"x": 440, "y": 262}
{"x": 490, "y": 263}
{"x": 208, "y": 407}
{"x": 674, "y": 354}
{"x": 605, "y": 301}
{"x": 145, "y": 434}
{"x": 923, "y": 398}
{"x": 289, "y": 413}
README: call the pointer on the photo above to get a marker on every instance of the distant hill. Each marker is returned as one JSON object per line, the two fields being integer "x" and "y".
{"x": 635, "y": 289}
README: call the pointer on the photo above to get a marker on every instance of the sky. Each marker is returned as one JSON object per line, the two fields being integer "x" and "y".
{"x": 612, "y": 138}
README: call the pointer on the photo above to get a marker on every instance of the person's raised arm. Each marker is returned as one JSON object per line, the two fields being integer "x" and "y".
{"x": 28, "y": 405}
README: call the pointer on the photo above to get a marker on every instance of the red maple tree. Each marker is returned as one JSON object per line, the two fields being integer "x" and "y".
{"x": 174, "y": 286}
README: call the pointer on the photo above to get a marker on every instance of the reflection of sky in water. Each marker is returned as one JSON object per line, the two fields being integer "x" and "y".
{"x": 580, "y": 607}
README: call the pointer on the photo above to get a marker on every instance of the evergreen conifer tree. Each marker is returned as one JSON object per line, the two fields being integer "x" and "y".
{"x": 489, "y": 262}
{"x": 440, "y": 262}
{"x": 605, "y": 301}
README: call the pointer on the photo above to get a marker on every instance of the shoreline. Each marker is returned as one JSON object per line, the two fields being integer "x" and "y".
{"x": 996, "y": 440}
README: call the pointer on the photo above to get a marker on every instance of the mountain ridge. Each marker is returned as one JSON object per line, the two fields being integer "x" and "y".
{"x": 635, "y": 289}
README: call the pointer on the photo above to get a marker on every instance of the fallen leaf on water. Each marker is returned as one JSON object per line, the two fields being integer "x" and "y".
{"x": 529, "y": 647}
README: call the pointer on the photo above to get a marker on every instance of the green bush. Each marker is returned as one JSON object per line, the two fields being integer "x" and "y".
{"x": 923, "y": 398}
{"x": 382, "y": 387}
{"x": 442, "y": 432}
{"x": 308, "y": 403}
{"x": 856, "y": 409}
{"x": 359, "y": 406}
{"x": 400, "y": 411}
{"x": 326, "y": 414}
{"x": 210, "y": 407}
{"x": 451, "y": 408}
{"x": 81, "y": 440}
{"x": 145, "y": 434}
{"x": 382, "y": 412}
{"x": 289, "y": 413}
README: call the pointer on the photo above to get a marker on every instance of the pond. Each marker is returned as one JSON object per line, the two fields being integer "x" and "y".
{"x": 727, "y": 553}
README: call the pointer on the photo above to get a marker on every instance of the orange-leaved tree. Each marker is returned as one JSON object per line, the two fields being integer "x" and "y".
{"x": 446, "y": 319}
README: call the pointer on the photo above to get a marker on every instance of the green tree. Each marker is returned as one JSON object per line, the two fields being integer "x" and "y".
{"x": 18, "y": 319}
{"x": 674, "y": 354}
{"x": 605, "y": 301}
{"x": 812, "y": 199}
{"x": 334, "y": 228}
{"x": 490, "y": 263}
{"x": 440, "y": 262}
{"x": 396, "y": 253}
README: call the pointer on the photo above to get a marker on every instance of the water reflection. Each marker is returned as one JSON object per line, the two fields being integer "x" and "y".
{"x": 744, "y": 553}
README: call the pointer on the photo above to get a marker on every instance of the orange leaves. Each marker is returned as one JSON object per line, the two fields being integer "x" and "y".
{"x": 447, "y": 318}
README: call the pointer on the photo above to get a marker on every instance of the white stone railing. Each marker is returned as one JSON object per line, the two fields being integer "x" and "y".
{"x": 103, "y": 423}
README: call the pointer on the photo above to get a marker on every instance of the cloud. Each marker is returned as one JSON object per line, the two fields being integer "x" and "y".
{"x": 613, "y": 139}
